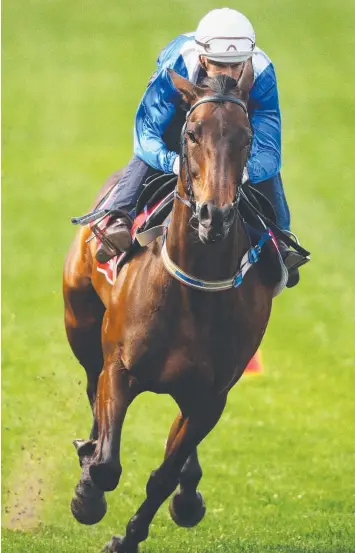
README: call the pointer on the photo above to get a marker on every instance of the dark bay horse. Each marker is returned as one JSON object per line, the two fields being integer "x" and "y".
{"x": 151, "y": 332}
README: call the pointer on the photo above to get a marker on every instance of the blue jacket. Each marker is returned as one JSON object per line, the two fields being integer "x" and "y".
{"x": 161, "y": 100}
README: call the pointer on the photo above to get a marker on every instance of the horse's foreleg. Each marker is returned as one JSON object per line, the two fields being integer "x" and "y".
{"x": 186, "y": 507}
{"x": 101, "y": 468}
{"x": 164, "y": 480}
{"x": 113, "y": 397}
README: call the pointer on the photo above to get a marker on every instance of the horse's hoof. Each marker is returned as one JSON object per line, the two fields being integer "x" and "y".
{"x": 88, "y": 505}
{"x": 117, "y": 545}
{"x": 105, "y": 475}
{"x": 187, "y": 511}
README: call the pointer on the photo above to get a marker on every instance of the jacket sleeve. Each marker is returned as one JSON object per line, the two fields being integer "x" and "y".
{"x": 154, "y": 113}
{"x": 265, "y": 156}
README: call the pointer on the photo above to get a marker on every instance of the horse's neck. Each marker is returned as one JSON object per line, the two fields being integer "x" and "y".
{"x": 218, "y": 261}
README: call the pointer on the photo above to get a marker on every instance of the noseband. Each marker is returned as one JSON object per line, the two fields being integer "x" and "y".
{"x": 191, "y": 202}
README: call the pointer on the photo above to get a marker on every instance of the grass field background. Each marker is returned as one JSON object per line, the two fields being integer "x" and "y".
{"x": 279, "y": 468}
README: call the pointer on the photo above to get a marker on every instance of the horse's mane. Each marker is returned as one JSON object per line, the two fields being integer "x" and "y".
{"x": 221, "y": 84}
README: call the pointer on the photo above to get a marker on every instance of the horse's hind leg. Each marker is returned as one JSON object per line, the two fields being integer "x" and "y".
{"x": 186, "y": 507}
{"x": 83, "y": 320}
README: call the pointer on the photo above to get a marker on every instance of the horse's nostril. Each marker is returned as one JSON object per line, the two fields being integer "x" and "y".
{"x": 229, "y": 215}
{"x": 204, "y": 213}
{"x": 217, "y": 217}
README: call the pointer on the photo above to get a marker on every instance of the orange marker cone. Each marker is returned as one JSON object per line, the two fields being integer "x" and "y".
{"x": 255, "y": 364}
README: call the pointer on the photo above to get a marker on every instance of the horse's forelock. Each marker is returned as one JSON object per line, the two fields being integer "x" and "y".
{"x": 220, "y": 84}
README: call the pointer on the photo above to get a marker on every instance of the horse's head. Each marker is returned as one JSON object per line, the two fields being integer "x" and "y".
{"x": 215, "y": 144}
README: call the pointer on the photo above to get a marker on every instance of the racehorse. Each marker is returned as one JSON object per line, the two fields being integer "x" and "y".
{"x": 176, "y": 321}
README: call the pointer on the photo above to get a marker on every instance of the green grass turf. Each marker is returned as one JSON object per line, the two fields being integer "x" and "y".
{"x": 278, "y": 469}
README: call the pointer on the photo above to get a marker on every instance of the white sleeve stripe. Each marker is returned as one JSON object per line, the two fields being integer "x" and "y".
{"x": 190, "y": 57}
{"x": 260, "y": 62}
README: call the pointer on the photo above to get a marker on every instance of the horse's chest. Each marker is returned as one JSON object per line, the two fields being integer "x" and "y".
{"x": 204, "y": 351}
{"x": 208, "y": 340}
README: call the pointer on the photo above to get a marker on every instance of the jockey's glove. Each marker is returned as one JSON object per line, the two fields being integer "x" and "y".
{"x": 176, "y": 165}
{"x": 245, "y": 176}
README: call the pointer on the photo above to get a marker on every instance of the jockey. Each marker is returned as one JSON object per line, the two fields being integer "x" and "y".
{"x": 223, "y": 42}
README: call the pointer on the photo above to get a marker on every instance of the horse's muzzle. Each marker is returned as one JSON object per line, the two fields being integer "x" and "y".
{"x": 214, "y": 222}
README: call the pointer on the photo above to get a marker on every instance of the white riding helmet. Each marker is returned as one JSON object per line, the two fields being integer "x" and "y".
{"x": 225, "y": 36}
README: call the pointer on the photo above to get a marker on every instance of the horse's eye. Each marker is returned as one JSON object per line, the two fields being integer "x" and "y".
{"x": 191, "y": 136}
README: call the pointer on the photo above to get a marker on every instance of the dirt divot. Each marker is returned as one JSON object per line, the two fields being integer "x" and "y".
{"x": 23, "y": 498}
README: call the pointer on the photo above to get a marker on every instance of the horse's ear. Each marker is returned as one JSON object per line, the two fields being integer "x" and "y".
{"x": 246, "y": 80}
{"x": 188, "y": 90}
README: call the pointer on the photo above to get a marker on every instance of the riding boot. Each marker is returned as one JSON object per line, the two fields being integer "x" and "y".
{"x": 292, "y": 260}
{"x": 117, "y": 236}
{"x": 273, "y": 190}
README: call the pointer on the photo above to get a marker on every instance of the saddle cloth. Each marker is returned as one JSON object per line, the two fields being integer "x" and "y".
{"x": 110, "y": 269}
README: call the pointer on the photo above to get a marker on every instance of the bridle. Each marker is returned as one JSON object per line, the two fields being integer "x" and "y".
{"x": 250, "y": 257}
{"x": 191, "y": 202}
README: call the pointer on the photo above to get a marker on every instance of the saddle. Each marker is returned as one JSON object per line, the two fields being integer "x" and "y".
{"x": 154, "y": 206}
